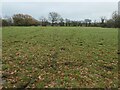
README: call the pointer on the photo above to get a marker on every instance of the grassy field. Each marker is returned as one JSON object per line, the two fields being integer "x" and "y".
{"x": 57, "y": 57}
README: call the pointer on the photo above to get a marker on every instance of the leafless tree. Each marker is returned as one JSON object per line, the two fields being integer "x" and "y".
{"x": 43, "y": 21}
{"x": 116, "y": 19}
{"x": 54, "y": 17}
{"x": 87, "y": 22}
{"x": 103, "y": 18}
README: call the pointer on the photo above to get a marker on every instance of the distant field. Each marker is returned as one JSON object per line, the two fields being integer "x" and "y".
{"x": 75, "y": 57}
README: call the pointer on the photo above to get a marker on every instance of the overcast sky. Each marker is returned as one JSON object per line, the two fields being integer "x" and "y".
{"x": 59, "y": 0}
{"x": 71, "y": 10}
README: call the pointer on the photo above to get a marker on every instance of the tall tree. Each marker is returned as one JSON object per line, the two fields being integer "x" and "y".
{"x": 87, "y": 22}
{"x": 116, "y": 19}
{"x": 102, "y": 19}
{"x": 54, "y": 17}
{"x": 68, "y": 22}
{"x": 61, "y": 21}
{"x": 43, "y": 21}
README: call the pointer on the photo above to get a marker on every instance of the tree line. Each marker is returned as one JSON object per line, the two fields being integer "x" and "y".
{"x": 55, "y": 19}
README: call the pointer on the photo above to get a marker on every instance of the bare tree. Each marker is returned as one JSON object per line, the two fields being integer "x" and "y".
{"x": 103, "y": 18}
{"x": 115, "y": 15}
{"x": 87, "y": 22}
{"x": 68, "y": 21}
{"x": 116, "y": 19}
{"x": 54, "y": 17}
{"x": 61, "y": 21}
{"x": 43, "y": 21}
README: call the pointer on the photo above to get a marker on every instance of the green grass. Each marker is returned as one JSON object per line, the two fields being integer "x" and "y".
{"x": 60, "y": 57}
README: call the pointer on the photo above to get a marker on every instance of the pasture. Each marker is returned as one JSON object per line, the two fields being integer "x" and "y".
{"x": 77, "y": 57}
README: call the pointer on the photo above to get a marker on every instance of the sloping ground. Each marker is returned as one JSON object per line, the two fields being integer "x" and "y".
{"x": 75, "y": 57}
